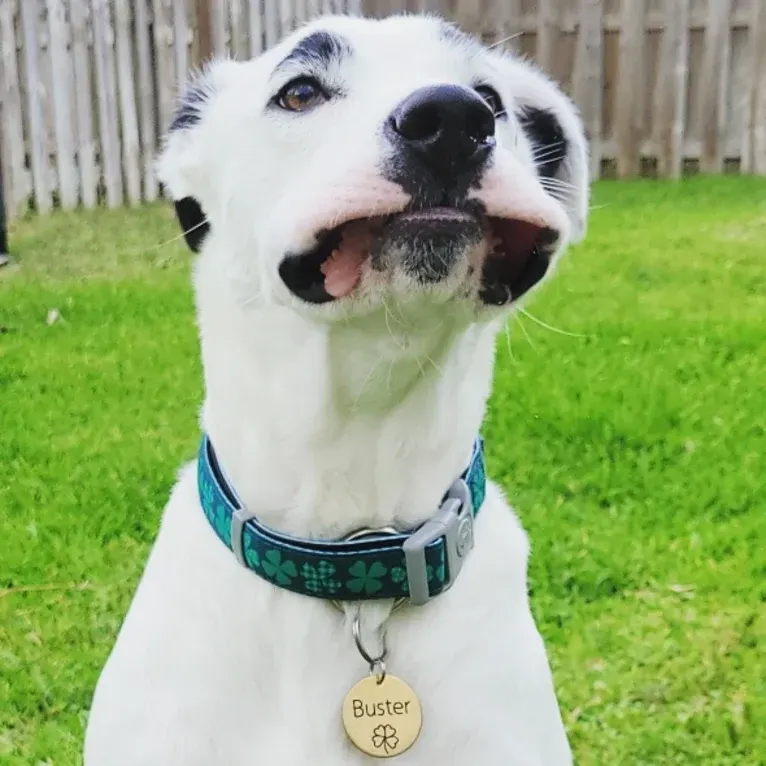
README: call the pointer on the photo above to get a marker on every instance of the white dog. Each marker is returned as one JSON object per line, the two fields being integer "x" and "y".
{"x": 370, "y": 199}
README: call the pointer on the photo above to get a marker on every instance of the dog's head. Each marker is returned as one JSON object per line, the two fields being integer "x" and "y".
{"x": 364, "y": 159}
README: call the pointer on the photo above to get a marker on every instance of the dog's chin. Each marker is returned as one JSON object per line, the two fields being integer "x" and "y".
{"x": 501, "y": 258}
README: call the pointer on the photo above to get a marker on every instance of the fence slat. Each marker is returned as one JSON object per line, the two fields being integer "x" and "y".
{"x": 670, "y": 93}
{"x": 757, "y": 122}
{"x": 218, "y": 27}
{"x": 37, "y": 135}
{"x": 256, "y": 27}
{"x": 714, "y": 75}
{"x": 628, "y": 102}
{"x": 588, "y": 79}
{"x": 83, "y": 95}
{"x": 547, "y": 34}
{"x": 61, "y": 79}
{"x": 271, "y": 22}
{"x": 131, "y": 149}
{"x": 15, "y": 175}
{"x": 240, "y": 47}
{"x": 103, "y": 38}
{"x": 181, "y": 40}
{"x": 147, "y": 133}
{"x": 164, "y": 61}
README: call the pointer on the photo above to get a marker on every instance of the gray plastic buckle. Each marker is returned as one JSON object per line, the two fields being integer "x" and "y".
{"x": 454, "y": 522}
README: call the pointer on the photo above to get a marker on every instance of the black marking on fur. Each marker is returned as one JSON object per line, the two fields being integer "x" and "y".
{"x": 319, "y": 50}
{"x": 548, "y": 140}
{"x": 189, "y": 110}
{"x": 193, "y": 222}
{"x": 430, "y": 248}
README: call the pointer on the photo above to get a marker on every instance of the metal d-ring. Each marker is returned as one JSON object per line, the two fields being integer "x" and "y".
{"x": 377, "y": 664}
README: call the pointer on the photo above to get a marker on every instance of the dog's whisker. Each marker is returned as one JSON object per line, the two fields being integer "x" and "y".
{"x": 505, "y": 40}
{"x": 178, "y": 237}
{"x": 517, "y": 319}
{"x": 507, "y": 331}
{"x": 547, "y": 326}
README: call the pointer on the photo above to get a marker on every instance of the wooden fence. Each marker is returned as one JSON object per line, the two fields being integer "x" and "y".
{"x": 86, "y": 86}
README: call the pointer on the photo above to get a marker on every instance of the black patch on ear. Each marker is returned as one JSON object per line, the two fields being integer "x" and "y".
{"x": 189, "y": 111}
{"x": 549, "y": 143}
{"x": 193, "y": 222}
{"x": 317, "y": 50}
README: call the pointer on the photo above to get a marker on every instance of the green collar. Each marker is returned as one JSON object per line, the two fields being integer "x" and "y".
{"x": 371, "y": 564}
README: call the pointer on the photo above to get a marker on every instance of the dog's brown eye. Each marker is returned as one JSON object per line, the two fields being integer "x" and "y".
{"x": 494, "y": 102}
{"x": 301, "y": 95}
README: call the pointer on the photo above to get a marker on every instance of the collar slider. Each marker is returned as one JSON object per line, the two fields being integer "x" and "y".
{"x": 454, "y": 522}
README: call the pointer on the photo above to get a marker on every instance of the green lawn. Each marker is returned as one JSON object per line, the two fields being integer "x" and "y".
{"x": 633, "y": 448}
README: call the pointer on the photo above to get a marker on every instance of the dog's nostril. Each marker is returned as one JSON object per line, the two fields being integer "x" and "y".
{"x": 480, "y": 124}
{"x": 419, "y": 124}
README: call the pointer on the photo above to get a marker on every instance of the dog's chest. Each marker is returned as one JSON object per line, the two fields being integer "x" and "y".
{"x": 214, "y": 665}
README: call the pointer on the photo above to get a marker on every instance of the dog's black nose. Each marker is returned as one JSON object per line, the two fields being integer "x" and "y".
{"x": 449, "y": 128}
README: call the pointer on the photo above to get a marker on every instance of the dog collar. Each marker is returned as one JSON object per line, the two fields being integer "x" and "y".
{"x": 369, "y": 564}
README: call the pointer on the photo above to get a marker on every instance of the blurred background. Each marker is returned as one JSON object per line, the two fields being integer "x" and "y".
{"x": 666, "y": 87}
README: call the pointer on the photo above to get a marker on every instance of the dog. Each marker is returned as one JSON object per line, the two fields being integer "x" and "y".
{"x": 369, "y": 200}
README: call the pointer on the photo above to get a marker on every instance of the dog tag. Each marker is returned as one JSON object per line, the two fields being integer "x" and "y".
{"x": 382, "y": 716}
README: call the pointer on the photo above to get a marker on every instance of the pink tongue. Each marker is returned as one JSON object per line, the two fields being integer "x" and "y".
{"x": 343, "y": 269}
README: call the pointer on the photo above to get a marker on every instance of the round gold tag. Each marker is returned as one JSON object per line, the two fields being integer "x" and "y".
{"x": 382, "y": 719}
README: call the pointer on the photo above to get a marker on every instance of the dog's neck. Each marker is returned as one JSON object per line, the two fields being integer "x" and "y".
{"x": 327, "y": 428}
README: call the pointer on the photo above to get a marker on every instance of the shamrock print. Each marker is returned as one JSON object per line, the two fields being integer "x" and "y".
{"x": 384, "y": 737}
{"x": 252, "y": 557}
{"x": 366, "y": 580}
{"x": 281, "y": 571}
{"x": 318, "y": 579}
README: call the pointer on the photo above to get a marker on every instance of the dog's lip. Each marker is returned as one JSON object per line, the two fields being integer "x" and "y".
{"x": 512, "y": 243}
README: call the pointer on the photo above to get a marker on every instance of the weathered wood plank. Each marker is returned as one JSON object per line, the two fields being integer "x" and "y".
{"x": 106, "y": 81}
{"x": 271, "y": 22}
{"x": 218, "y": 27}
{"x": 165, "y": 65}
{"x": 671, "y": 90}
{"x": 240, "y": 45}
{"x": 38, "y": 147}
{"x": 548, "y": 33}
{"x": 756, "y": 153}
{"x": 15, "y": 174}
{"x": 286, "y": 16}
{"x": 147, "y": 134}
{"x": 61, "y": 78}
{"x": 629, "y": 106}
{"x": 181, "y": 41}
{"x": 131, "y": 147}
{"x": 588, "y": 86}
{"x": 256, "y": 27}
{"x": 83, "y": 96}
{"x": 714, "y": 74}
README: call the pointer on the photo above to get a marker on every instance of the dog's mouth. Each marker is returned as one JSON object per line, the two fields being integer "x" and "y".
{"x": 515, "y": 254}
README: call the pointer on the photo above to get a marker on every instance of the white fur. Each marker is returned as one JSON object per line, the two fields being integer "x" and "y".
{"x": 325, "y": 420}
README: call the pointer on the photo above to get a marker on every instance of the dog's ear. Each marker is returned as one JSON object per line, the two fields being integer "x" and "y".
{"x": 181, "y": 164}
{"x": 553, "y": 126}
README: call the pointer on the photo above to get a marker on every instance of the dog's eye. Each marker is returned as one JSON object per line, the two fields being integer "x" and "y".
{"x": 494, "y": 102}
{"x": 301, "y": 95}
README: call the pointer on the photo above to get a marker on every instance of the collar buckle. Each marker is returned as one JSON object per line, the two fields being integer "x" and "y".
{"x": 454, "y": 522}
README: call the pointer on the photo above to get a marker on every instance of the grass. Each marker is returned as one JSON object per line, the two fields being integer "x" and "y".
{"x": 633, "y": 450}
